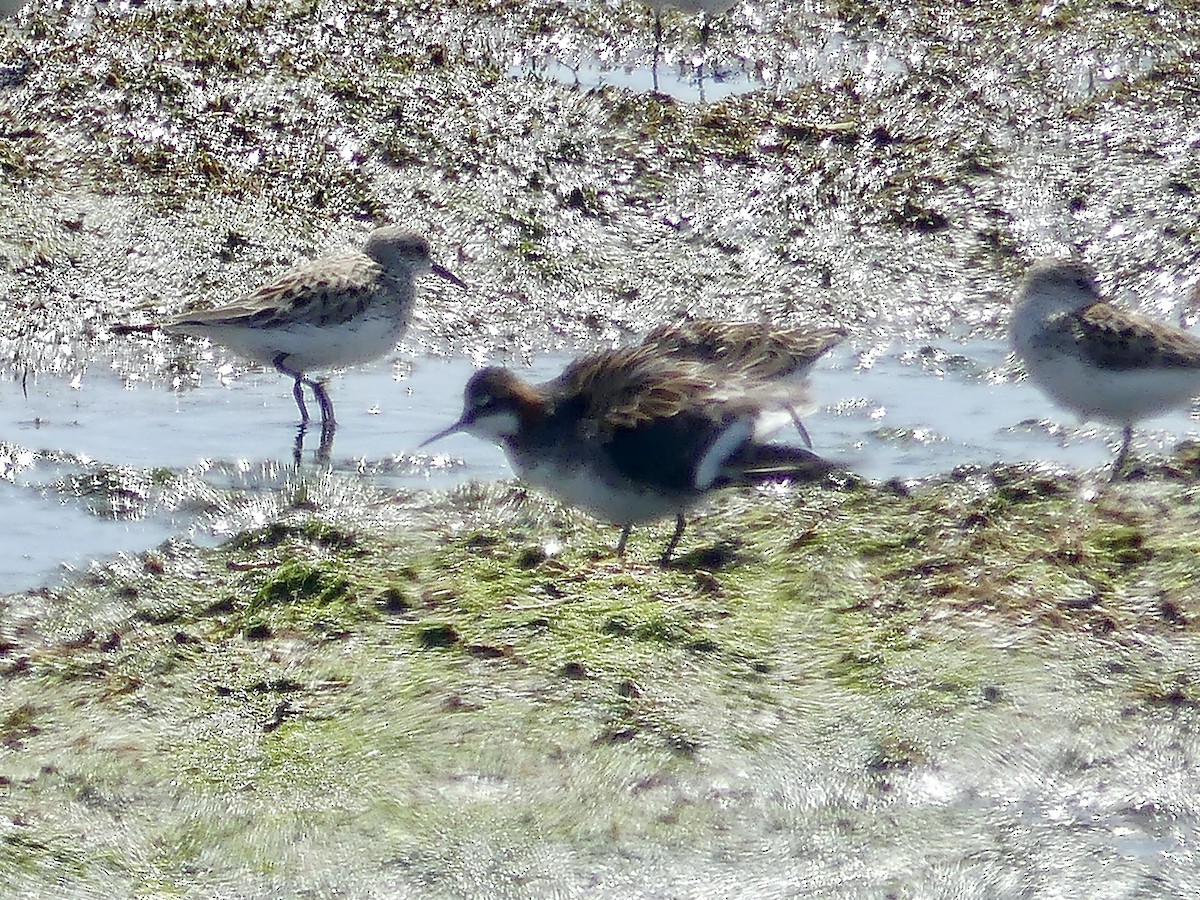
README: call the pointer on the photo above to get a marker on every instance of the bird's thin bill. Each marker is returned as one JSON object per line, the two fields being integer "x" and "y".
{"x": 445, "y": 432}
{"x": 448, "y": 275}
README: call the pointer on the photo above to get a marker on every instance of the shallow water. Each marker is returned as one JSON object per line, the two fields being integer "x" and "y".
{"x": 705, "y": 75}
{"x": 680, "y": 80}
{"x": 885, "y": 413}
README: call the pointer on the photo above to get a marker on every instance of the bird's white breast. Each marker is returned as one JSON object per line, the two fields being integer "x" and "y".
{"x": 1122, "y": 396}
{"x": 605, "y": 495}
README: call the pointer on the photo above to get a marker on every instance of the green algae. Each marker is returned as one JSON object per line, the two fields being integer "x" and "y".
{"x": 417, "y": 690}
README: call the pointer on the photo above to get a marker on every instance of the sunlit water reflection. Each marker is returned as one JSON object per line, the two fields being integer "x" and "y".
{"x": 886, "y": 413}
{"x": 704, "y": 76}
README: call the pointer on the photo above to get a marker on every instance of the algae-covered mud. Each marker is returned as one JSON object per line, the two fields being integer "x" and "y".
{"x": 381, "y": 682}
{"x": 982, "y": 687}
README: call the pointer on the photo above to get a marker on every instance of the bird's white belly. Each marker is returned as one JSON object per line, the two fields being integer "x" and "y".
{"x": 306, "y": 346}
{"x": 614, "y": 500}
{"x": 1121, "y": 396}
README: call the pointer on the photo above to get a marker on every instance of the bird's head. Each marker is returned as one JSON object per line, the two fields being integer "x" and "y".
{"x": 400, "y": 249}
{"x": 495, "y": 405}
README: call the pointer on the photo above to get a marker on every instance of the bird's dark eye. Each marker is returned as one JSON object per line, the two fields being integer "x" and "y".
{"x": 480, "y": 401}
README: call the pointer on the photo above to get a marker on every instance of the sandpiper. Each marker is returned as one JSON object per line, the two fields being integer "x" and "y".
{"x": 1096, "y": 360}
{"x": 631, "y": 435}
{"x": 750, "y": 350}
{"x": 332, "y": 312}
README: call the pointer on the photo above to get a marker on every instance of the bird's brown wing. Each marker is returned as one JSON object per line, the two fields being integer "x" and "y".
{"x": 750, "y": 349}
{"x": 656, "y": 417}
{"x": 328, "y": 291}
{"x": 1113, "y": 339}
{"x": 630, "y": 388}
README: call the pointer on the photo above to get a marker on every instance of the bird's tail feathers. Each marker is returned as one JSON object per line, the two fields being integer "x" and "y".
{"x": 779, "y": 462}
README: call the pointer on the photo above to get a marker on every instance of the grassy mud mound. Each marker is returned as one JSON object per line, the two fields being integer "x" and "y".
{"x": 976, "y": 685}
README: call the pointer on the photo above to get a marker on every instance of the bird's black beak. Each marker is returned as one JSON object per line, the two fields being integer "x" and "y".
{"x": 443, "y": 272}
{"x": 445, "y": 432}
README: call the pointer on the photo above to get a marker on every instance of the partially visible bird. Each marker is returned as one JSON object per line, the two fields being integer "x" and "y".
{"x": 332, "y": 312}
{"x": 632, "y": 436}
{"x": 1096, "y": 360}
{"x": 750, "y": 350}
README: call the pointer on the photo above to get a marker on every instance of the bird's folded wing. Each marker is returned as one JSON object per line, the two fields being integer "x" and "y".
{"x": 1113, "y": 339}
{"x": 326, "y": 292}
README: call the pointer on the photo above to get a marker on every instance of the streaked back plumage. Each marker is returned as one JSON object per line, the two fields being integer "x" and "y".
{"x": 753, "y": 350}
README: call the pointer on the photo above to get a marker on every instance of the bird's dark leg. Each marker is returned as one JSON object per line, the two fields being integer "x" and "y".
{"x": 657, "y": 47}
{"x": 705, "y": 27}
{"x": 318, "y": 389}
{"x": 680, "y": 523}
{"x": 297, "y": 388}
{"x": 1122, "y": 454}
{"x": 298, "y": 393}
{"x": 800, "y": 428}
{"x": 621, "y": 541}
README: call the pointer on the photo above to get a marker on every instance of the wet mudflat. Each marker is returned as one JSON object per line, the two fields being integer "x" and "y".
{"x": 972, "y": 674}
{"x": 979, "y": 687}
{"x": 887, "y": 413}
